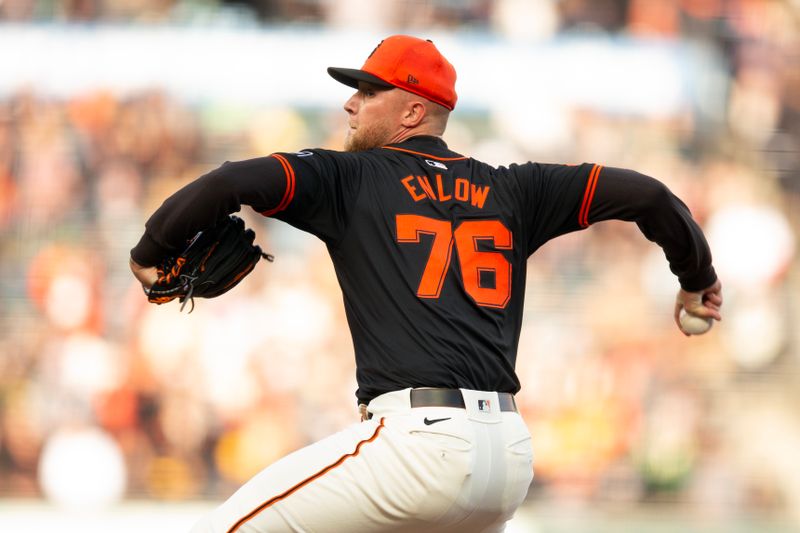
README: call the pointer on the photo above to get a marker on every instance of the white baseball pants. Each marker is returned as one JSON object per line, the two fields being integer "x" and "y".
{"x": 405, "y": 470}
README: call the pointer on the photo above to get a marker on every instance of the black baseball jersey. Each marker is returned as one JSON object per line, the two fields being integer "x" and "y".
{"x": 430, "y": 247}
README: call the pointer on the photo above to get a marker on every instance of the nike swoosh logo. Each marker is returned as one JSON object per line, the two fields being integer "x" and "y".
{"x": 433, "y": 421}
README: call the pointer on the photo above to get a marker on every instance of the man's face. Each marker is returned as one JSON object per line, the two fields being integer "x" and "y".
{"x": 374, "y": 117}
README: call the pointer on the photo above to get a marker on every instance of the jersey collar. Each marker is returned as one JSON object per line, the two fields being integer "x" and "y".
{"x": 426, "y": 146}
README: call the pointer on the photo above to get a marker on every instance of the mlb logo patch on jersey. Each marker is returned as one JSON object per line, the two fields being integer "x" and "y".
{"x": 436, "y": 164}
{"x": 485, "y": 406}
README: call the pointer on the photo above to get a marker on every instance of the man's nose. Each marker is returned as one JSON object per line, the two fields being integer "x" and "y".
{"x": 351, "y": 105}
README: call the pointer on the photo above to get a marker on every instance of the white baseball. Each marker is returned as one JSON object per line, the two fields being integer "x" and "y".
{"x": 694, "y": 325}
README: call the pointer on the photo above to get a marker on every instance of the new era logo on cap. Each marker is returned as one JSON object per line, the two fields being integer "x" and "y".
{"x": 412, "y": 64}
{"x": 374, "y": 49}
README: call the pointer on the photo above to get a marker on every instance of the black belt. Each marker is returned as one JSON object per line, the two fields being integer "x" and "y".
{"x": 453, "y": 398}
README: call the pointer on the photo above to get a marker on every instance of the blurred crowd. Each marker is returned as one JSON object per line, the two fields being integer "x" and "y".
{"x": 623, "y": 409}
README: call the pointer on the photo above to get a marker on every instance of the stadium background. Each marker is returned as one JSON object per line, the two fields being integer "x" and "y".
{"x": 118, "y": 415}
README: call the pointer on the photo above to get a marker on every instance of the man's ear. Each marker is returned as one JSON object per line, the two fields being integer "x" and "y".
{"x": 414, "y": 113}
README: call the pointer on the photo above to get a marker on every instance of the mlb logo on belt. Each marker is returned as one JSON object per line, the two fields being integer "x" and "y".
{"x": 485, "y": 406}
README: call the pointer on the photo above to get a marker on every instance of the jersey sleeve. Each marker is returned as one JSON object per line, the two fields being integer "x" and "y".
{"x": 259, "y": 183}
{"x": 563, "y": 198}
{"x": 322, "y": 186}
{"x": 661, "y": 216}
{"x": 306, "y": 189}
{"x": 557, "y": 199}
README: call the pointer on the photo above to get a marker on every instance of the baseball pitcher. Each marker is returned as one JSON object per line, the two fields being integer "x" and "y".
{"x": 430, "y": 249}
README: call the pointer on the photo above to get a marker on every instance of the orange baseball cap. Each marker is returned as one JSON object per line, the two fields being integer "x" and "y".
{"x": 408, "y": 63}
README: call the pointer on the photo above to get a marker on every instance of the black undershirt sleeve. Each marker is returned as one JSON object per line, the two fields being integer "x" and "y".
{"x": 260, "y": 183}
{"x": 661, "y": 216}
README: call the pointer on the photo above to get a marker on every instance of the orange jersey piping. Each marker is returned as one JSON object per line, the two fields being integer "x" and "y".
{"x": 290, "y": 183}
{"x": 306, "y": 481}
{"x": 588, "y": 196}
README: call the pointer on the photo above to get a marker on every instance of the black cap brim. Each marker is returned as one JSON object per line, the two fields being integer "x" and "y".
{"x": 351, "y": 77}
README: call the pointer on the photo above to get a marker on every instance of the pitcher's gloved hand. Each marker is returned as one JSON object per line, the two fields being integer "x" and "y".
{"x": 214, "y": 262}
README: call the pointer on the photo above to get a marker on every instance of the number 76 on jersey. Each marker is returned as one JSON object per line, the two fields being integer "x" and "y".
{"x": 478, "y": 268}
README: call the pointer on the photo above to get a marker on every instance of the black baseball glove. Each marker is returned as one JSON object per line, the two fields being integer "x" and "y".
{"x": 214, "y": 262}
